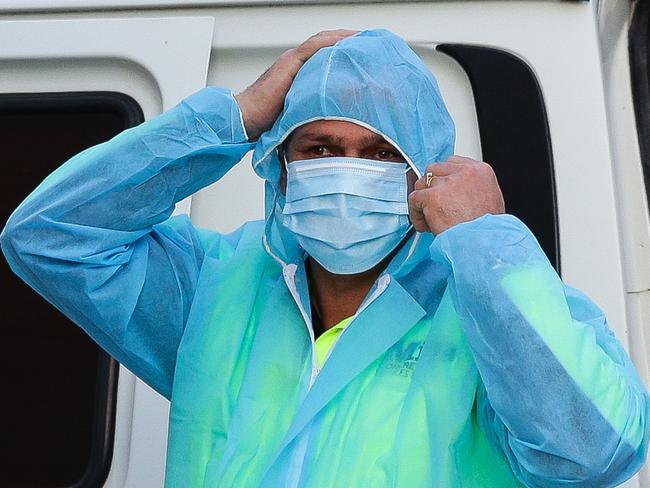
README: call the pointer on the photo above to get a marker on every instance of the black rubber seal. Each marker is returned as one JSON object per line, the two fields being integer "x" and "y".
{"x": 639, "y": 51}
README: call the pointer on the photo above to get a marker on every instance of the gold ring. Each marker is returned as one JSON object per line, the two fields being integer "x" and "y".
{"x": 429, "y": 177}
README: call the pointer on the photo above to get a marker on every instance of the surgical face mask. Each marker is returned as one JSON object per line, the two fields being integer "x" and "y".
{"x": 347, "y": 213}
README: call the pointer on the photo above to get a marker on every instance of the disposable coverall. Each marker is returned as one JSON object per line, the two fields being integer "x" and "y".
{"x": 469, "y": 364}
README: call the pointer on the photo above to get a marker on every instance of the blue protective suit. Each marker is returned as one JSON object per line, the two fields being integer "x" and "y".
{"x": 469, "y": 364}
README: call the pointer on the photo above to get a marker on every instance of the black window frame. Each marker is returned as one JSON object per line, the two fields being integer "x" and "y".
{"x": 104, "y": 414}
{"x": 639, "y": 55}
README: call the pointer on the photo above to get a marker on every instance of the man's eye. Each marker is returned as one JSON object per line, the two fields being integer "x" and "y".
{"x": 387, "y": 155}
{"x": 320, "y": 151}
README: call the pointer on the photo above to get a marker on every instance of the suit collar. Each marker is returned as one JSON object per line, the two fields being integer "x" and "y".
{"x": 377, "y": 327}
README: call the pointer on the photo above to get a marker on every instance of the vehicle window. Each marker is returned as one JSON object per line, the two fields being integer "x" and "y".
{"x": 58, "y": 386}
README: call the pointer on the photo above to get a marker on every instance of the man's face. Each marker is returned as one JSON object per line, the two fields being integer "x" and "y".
{"x": 332, "y": 138}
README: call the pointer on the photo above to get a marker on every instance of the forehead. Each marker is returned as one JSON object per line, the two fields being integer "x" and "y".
{"x": 343, "y": 132}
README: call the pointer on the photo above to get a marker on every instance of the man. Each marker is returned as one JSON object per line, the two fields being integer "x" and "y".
{"x": 331, "y": 345}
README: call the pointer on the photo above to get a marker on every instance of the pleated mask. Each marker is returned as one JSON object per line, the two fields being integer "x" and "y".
{"x": 347, "y": 213}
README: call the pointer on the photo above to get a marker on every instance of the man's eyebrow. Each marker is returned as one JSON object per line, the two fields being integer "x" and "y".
{"x": 337, "y": 140}
{"x": 322, "y": 138}
{"x": 375, "y": 139}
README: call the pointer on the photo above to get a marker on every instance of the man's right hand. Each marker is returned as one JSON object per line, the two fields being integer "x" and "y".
{"x": 262, "y": 102}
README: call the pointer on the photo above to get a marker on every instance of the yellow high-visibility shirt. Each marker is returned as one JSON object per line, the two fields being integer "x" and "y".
{"x": 326, "y": 340}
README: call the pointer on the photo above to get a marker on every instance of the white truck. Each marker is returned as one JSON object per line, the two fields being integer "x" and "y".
{"x": 554, "y": 94}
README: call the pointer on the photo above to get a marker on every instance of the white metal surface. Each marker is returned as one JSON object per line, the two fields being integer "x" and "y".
{"x": 634, "y": 224}
{"x": 68, "y": 5}
{"x": 628, "y": 174}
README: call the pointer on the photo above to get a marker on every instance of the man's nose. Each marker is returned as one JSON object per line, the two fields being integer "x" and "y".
{"x": 352, "y": 153}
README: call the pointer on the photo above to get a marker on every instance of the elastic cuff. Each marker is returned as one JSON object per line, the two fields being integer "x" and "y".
{"x": 486, "y": 233}
{"x": 218, "y": 108}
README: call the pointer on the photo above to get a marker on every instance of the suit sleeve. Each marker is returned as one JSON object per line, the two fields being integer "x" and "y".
{"x": 560, "y": 397}
{"x": 97, "y": 241}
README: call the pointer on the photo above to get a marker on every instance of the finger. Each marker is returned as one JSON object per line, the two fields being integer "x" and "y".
{"x": 416, "y": 212}
{"x": 441, "y": 169}
{"x": 341, "y": 32}
{"x": 457, "y": 160}
{"x": 461, "y": 159}
{"x": 320, "y": 40}
{"x": 338, "y": 33}
{"x": 452, "y": 166}
{"x": 437, "y": 171}
{"x": 421, "y": 183}
{"x": 427, "y": 182}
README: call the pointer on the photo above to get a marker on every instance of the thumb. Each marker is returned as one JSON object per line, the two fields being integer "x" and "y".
{"x": 416, "y": 211}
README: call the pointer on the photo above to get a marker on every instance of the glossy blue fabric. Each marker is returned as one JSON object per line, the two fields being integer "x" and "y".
{"x": 347, "y": 213}
{"x": 468, "y": 364}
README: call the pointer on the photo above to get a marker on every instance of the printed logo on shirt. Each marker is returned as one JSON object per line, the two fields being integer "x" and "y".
{"x": 402, "y": 358}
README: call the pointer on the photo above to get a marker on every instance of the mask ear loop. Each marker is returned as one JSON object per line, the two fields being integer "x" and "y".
{"x": 411, "y": 230}
{"x": 411, "y": 167}
{"x": 282, "y": 151}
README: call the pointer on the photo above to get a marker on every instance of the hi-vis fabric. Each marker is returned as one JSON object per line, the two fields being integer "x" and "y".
{"x": 469, "y": 364}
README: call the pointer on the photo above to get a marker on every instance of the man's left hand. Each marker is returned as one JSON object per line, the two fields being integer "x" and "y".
{"x": 462, "y": 189}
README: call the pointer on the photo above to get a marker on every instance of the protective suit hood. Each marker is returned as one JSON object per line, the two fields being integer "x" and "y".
{"x": 373, "y": 79}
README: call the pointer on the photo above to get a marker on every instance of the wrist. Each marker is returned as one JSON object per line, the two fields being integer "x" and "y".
{"x": 251, "y": 129}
